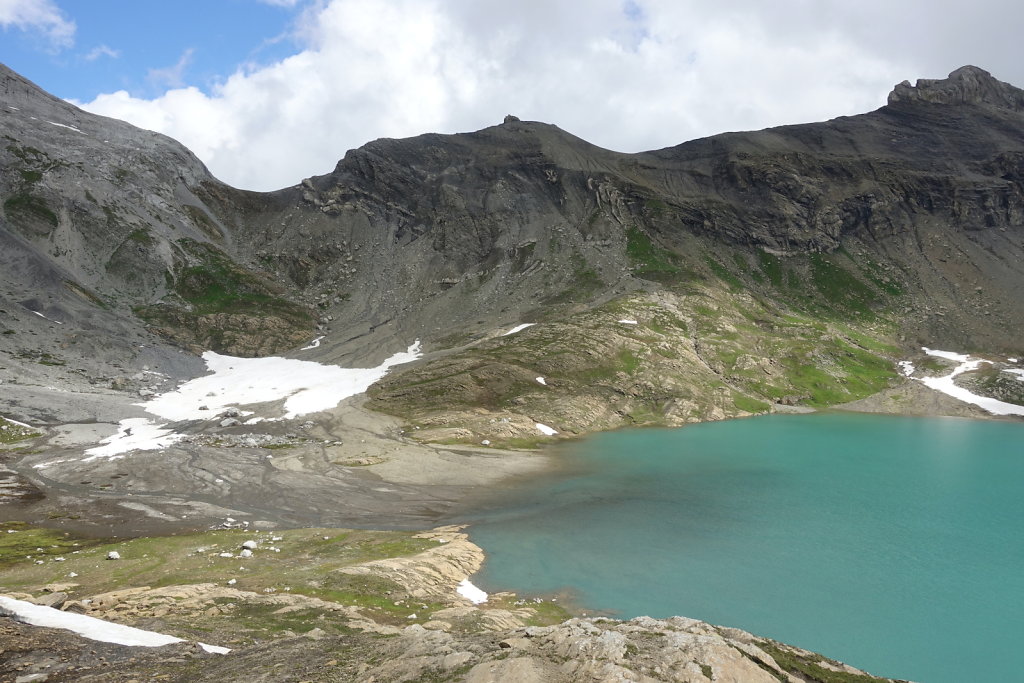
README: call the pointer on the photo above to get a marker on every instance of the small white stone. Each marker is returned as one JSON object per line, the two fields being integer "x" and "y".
{"x": 113, "y": 555}
{"x": 251, "y": 545}
{"x": 245, "y": 553}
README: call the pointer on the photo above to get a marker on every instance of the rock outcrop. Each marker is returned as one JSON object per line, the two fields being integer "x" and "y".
{"x": 489, "y": 643}
{"x": 966, "y": 85}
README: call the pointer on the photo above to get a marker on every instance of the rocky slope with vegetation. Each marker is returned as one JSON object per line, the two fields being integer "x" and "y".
{"x": 330, "y": 604}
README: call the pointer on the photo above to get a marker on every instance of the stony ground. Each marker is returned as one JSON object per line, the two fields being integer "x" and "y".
{"x": 358, "y": 606}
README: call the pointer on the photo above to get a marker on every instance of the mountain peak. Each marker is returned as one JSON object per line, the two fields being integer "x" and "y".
{"x": 967, "y": 85}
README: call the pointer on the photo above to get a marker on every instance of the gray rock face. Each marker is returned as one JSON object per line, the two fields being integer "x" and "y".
{"x": 966, "y": 85}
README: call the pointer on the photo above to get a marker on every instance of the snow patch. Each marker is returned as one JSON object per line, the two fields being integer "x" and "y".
{"x": 64, "y": 125}
{"x": 948, "y": 387}
{"x": 308, "y": 387}
{"x": 471, "y": 592}
{"x": 518, "y": 328}
{"x": 15, "y": 422}
{"x": 91, "y": 627}
{"x": 906, "y": 367}
{"x": 134, "y": 433}
{"x": 541, "y": 380}
{"x": 305, "y": 386}
{"x": 629, "y": 322}
{"x": 312, "y": 345}
{"x": 215, "y": 649}
{"x": 545, "y": 430}
{"x": 948, "y": 355}
{"x": 45, "y": 318}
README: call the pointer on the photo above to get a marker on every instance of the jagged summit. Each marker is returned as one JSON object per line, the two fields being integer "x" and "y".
{"x": 967, "y": 85}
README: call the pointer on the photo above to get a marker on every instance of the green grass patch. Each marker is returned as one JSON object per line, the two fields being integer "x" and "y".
{"x": 839, "y": 288}
{"x": 771, "y": 266}
{"x": 836, "y": 373}
{"x": 213, "y": 283}
{"x": 748, "y": 404}
{"x": 23, "y": 544}
{"x": 549, "y": 613}
{"x": 30, "y": 205}
{"x": 655, "y": 207}
{"x": 809, "y": 668}
{"x": 723, "y": 273}
{"x": 141, "y": 236}
{"x": 649, "y": 261}
{"x": 306, "y": 563}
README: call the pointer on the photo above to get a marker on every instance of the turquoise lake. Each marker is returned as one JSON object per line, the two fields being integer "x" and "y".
{"x": 893, "y": 544}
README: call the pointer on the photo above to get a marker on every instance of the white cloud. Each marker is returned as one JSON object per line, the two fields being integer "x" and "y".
{"x": 38, "y": 15}
{"x": 101, "y": 51}
{"x": 172, "y": 76}
{"x": 640, "y": 75}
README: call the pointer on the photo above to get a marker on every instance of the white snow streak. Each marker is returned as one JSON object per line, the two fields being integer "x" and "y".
{"x": 45, "y": 318}
{"x": 948, "y": 387}
{"x": 545, "y": 430}
{"x": 629, "y": 322}
{"x": 518, "y": 328}
{"x": 64, "y": 125}
{"x": 15, "y": 422}
{"x": 312, "y": 345}
{"x": 91, "y": 627}
{"x": 948, "y": 355}
{"x": 471, "y": 592}
{"x": 541, "y": 380}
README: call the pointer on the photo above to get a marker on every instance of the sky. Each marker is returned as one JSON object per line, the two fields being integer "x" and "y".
{"x": 268, "y": 92}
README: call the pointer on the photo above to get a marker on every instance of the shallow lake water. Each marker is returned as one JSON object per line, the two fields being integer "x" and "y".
{"x": 894, "y": 544}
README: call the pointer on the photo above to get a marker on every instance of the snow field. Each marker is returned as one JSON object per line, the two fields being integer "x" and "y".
{"x": 306, "y": 387}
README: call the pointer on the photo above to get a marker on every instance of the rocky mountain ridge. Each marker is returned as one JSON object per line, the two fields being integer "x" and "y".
{"x": 522, "y": 220}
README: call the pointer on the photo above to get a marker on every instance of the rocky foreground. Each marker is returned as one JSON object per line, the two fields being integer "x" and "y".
{"x": 407, "y": 623}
